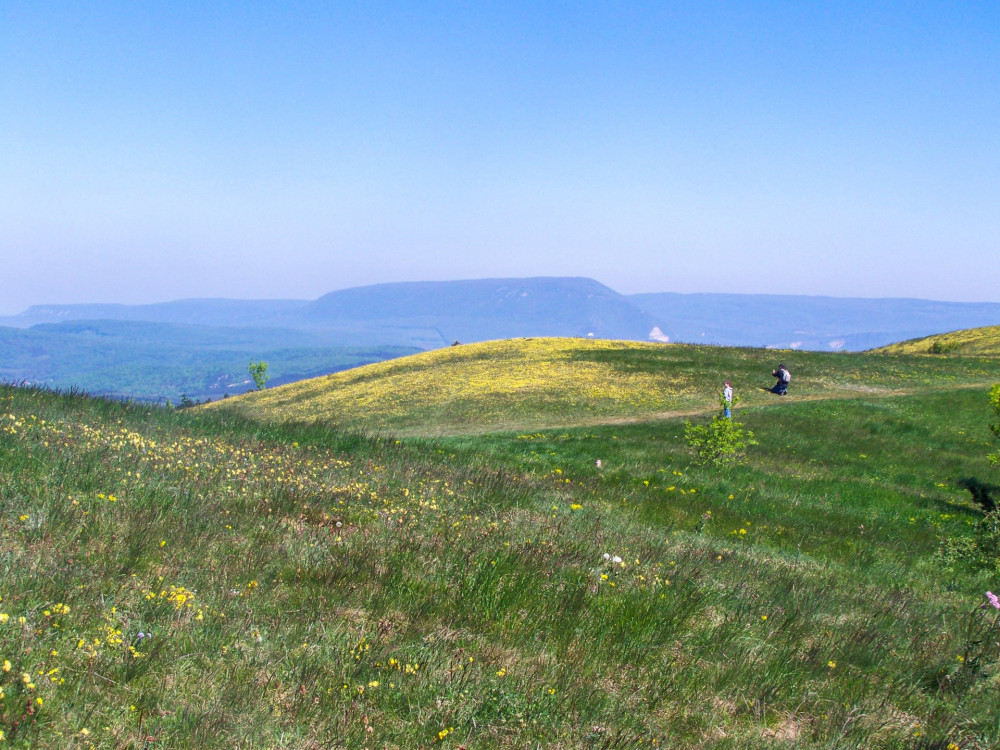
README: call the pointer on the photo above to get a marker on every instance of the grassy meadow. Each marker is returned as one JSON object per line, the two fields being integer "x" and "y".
{"x": 522, "y": 384}
{"x": 972, "y": 342}
{"x": 245, "y": 577}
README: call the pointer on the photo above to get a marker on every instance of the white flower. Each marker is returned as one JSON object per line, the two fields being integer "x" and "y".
{"x": 598, "y": 463}
{"x": 616, "y": 559}
{"x": 607, "y": 556}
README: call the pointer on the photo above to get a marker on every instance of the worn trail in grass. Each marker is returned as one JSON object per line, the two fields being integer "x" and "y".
{"x": 776, "y": 402}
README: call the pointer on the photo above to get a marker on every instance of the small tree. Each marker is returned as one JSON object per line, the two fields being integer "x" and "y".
{"x": 721, "y": 441}
{"x": 258, "y": 371}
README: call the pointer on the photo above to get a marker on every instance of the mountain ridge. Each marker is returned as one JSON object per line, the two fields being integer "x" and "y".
{"x": 428, "y": 314}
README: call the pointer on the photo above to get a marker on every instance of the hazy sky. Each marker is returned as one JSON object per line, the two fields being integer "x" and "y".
{"x": 162, "y": 149}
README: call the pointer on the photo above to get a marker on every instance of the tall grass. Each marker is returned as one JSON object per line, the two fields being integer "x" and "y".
{"x": 299, "y": 587}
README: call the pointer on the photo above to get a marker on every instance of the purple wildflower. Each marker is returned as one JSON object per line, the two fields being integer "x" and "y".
{"x": 994, "y": 599}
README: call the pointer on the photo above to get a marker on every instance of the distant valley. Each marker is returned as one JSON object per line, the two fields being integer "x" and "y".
{"x": 200, "y": 348}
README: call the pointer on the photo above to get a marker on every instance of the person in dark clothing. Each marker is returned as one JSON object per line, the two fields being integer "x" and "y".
{"x": 784, "y": 378}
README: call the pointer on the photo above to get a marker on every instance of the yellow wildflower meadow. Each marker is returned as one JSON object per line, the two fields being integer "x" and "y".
{"x": 557, "y": 377}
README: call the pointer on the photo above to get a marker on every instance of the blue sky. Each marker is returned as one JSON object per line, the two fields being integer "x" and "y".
{"x": 160, "y": 150}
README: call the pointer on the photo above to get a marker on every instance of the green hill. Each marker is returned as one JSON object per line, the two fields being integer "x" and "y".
{"x": 980, "y": 342}
{"x": 200, "y": 579}
{"x": 524, "y": 384}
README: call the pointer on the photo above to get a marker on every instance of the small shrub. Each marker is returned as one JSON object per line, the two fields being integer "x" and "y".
{"x": 940, "y": 347}
{"x": 721, "y": 441}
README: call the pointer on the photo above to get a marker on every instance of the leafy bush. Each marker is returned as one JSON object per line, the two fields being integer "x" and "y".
{"x": 721, "y": 441}
{"x": 940, "y": 347}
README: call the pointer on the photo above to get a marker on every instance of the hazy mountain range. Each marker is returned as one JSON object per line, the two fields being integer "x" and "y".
{"x": 201, "y": 347}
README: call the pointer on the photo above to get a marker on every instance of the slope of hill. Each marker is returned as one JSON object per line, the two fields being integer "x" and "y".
{"x": 191, "y": 580}
{"x": 524, "y": 384}
{"x": 981, "y": 342}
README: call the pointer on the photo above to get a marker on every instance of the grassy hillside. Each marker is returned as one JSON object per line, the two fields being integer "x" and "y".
{"x": 193, "y": 580}
{"x": 523, "y": 384}
{"x": 981, "y": 342}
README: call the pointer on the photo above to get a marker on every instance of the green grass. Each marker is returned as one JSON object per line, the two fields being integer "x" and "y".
{"x": 311, "y": 588}
{"x": 526, "y": 384}
{"x": 977, "y": 342}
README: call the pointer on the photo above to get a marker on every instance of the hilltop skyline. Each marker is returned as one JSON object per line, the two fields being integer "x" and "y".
{"x": 160, "y": 152}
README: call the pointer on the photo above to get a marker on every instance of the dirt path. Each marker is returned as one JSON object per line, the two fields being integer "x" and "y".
{"x": 783, "y": 400}
{"x": 666, "y": 416}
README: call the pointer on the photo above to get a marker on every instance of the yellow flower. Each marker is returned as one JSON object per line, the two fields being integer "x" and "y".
{"x": 831, "y": 664}
{"x": 4, "y": 617}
